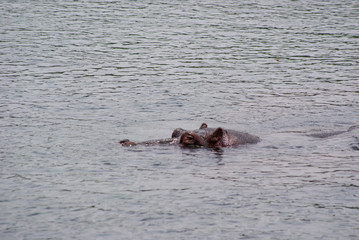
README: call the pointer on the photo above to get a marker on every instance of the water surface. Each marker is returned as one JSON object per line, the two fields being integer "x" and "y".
{"x": 78, "y": 76}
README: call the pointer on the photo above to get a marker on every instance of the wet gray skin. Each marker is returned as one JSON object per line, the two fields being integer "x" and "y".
{"x": 333, "y": 133}
{"x": 170, "y": 141}
{"x": 216, "y": 137}
{"x": 176, "y": 134}
{"x": 196, "y": 137}
{"x": 233, "y": 138}
{"x": 219, "y": 137}
{"x": 204, "y": 136}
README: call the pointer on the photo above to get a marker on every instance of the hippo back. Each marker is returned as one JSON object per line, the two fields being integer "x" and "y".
{"x": 232, "y": 138}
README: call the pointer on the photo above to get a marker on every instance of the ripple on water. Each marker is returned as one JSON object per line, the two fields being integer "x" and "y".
{"x": 77, "y": 77}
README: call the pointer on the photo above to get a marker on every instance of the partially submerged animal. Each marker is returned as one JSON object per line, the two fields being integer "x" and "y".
{"x": 220, "y": 137}
{"x": 332, "y": 133}
{"x": 202, "y": 137}
{"x": 216, "y": 137}
{"x": 328, "y": 134}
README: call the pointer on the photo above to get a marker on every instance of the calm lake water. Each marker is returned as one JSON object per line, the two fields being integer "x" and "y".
{"x": 78, "y": 76}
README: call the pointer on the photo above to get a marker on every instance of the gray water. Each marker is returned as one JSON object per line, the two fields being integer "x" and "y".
{"x": 78, "y": 76}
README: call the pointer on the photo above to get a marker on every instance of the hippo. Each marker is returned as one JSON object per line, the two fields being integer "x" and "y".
{"x": 176, "y": 134}
{"x": 170, "y": 141}
{"x": 216, "y": 137}
{"x": 327, "y": 134}
{"x": 202, "y": 137}
{"x": 333, "y": 133}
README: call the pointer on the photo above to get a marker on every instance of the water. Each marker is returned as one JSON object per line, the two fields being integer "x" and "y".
{"x": 78, "y": 76}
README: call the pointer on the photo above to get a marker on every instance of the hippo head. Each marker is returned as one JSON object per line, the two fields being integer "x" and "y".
{"x": 203, "y": 137}
{"x": 191, "y": 138}
{"x": 177, "y": 132}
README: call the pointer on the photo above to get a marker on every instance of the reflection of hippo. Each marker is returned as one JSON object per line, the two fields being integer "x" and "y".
{"x": 204, "y": 136}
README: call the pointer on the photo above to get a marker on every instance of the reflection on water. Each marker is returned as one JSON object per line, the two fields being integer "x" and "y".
{"x": 78, "y": 76}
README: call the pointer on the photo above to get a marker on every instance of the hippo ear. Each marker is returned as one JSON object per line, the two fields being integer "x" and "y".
{"x": 215, "y": 140}
{"x": 218, "y": 133}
